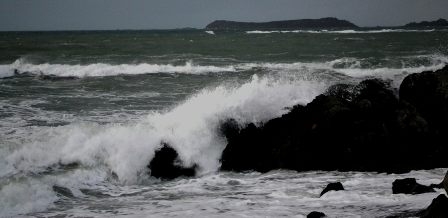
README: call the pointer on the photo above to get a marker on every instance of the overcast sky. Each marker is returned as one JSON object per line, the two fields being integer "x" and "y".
{"x": 167, "y": 14}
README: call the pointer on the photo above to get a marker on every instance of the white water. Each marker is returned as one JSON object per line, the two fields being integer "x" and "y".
{"x": 125, "y": 150}
{"x": 115, "y": 156}
{"x": 101, "y": 69}
{"x": 275, "y": 194}
{"x": 348, "y": 66}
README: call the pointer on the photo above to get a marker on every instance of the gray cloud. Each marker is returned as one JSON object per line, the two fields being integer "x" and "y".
{"x": 166, "y": 14}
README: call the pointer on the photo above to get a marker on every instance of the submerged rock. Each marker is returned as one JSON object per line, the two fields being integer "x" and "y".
{"x": 316, "y": 214}
{"x": 409, "y": 186}
{"x": 63, "y": 191}
{"x": 437, "y": 209}
{"x": 337, "y": 186}
{"x": 351, "y": 128}
{"x": 166, "y": 164}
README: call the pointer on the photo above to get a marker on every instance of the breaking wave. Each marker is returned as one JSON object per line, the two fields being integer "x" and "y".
{"x": 102, "y": 69}
{"x": 352, "y": 67}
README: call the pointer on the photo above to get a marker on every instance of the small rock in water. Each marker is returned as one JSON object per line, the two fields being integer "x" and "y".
{"x": 165, "y": 164}
{"x": 409, "y": 186}
{"x": 440, "y": 185}
{"x": 438, "y": 208}
{"x": 316, "y": 214}
{"x": 337, "y": 186}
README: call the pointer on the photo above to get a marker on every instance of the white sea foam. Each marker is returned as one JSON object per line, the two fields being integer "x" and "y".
{"x": 101, "y": 69}
{"x": 347, "y": 66}
{"x": 125, "y": 150}
{"x": 24, "y": 197}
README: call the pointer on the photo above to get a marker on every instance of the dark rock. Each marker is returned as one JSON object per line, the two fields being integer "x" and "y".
{"x": 409, "y": 186}
{"x": 437, "y": 209}
{"x": 166, "y": 164}
{"x": 432, "y": 24}
{"x": 337, "y": 186}
{"x": 316, "y": 214}
{"x": 428, "y": 93}
{"x": 351, "y": 128}
{"x": 445, "y": 182}
{"x": 322, "y": 23}
{"x": 440, "y": 185}
{"x": 229, "y": 128}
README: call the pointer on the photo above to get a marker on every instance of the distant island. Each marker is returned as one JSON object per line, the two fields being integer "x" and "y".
{"x": 322, "y": 23}
{"x": 425, "y": 24}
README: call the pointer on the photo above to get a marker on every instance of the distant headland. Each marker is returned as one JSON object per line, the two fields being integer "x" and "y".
{"x": 329, "y": 23}
{"x": 322, "y": 23}
{"x": 425, "y": 24}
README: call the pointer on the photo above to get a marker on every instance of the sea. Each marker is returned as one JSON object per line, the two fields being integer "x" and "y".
{"x": 83, "y": 112}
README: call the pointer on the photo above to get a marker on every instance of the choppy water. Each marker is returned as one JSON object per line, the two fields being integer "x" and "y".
{"x": 106, "y": 100}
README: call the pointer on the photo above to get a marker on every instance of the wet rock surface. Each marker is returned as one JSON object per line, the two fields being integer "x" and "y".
{"x": 316, "y": 214}
{"x": 364, "y": 127}
{"x": 409, "y": 186}
{"x": 337, "y": 186}
{"x": 166, "y": 164}
{"x": 437, "y": 209}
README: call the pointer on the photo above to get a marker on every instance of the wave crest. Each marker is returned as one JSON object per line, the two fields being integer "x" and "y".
{"x": 101, "y": 69}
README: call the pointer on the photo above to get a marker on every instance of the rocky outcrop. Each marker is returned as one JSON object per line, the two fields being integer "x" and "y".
{"x": 323, "y": 23}
{"x": 316, "y": 214}
{"x": 426, "y": 24}
{"x": 337, "y": 186}
{"x": 409, "y": 186}
{"x": 166, "y": 164}
{"x": 437, "y": 209}
{"x": 366, "y": 127}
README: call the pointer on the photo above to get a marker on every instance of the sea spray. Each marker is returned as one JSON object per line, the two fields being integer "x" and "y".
{"x": 191, "y": 128}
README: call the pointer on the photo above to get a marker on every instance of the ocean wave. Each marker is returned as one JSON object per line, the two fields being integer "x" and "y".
{"x": 191, "y": 126}
{"x": 121, "y": 152}
{"x": 102, "y": 69}
{"x": 339, "y": 31}
{"x": 352, "y": 67}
